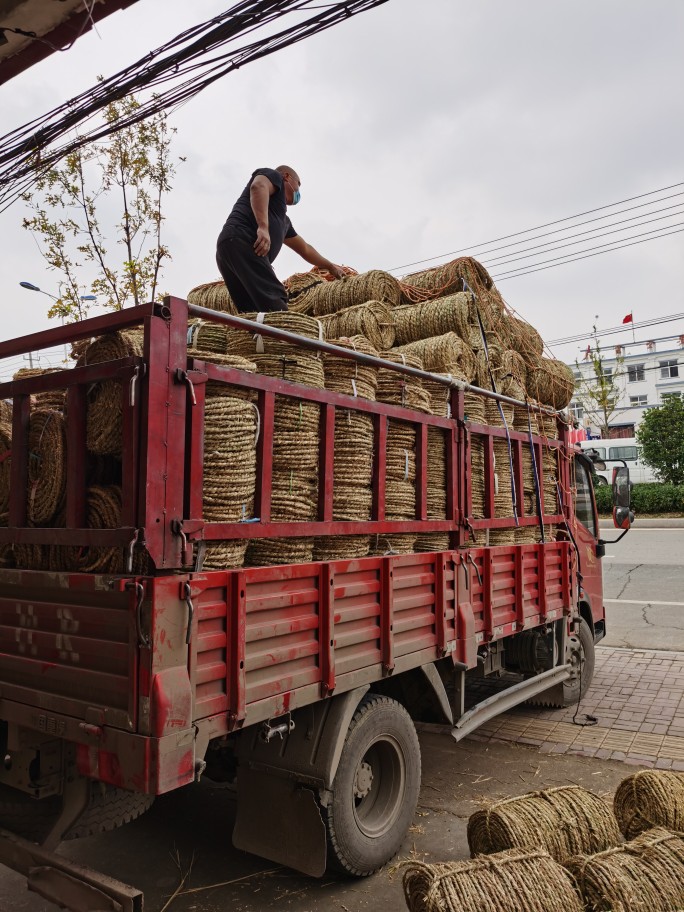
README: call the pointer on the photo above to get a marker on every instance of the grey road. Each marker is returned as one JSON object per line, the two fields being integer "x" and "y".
{"x": 644, "y": 588}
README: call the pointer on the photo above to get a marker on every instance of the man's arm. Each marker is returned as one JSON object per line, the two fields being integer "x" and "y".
{"x": 260, "y": 190}
{"x": 311, "y": 255}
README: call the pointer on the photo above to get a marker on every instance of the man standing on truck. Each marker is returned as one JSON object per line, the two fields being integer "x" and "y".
{"x": 252, "y": 236}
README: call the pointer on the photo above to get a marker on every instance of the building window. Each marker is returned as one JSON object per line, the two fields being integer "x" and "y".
{"x": 577, "y": 411}
{"x": 635, "y": 372}
{"x": 607, "y": 372}
{"x": 638, "y": 400}
{"x": 577, "y": 375}
{"x": 668, "y": 369}
{"x": 666, "y": 396}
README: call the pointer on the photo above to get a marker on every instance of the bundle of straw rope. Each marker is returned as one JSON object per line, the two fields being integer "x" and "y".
{"x": 5, "y": 411}
{"x": 646, "y": 873}
{"x": 564, "y": 821}
{"x": 648, "y": 799}
{"x": 462, "y": 274}
{"x": 446, "y": 354}
{"x": 294, "y": 485}
{"x": 50, "y": 399}
{"x": 432, "y": 318}
{"x": 343, "y": 375}
{"x": 402, "y": 389}
{"x": 522, "y": 338}
{"x": 374, "y": 320}
{"x": 103, "y": 511}
{"x": 436, "y": 491}
{"x": 47, "y": 465}
{"x": 217, "y": 387}
{"x": 105, "y": 409}
{"x": 203, "y": 335}
{"x": 551, "y": 382}
{"x": 214, "y": 296}
{"x": 298, "y": 285}
{"x": 513, "y": 881}
{"x": 330, "y": 297}
{"x": 5, "y": 466}
{"x": 247, "y": 343}
{"x": 400, "y": 487}
{"x": 353, "y": 452}
{"x": 231, "y": 426}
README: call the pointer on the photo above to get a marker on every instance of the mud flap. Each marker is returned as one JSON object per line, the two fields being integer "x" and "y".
{"x": 280, "y": 820}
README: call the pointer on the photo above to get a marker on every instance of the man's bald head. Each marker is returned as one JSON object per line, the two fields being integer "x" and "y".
{"x": 287, "y": 171}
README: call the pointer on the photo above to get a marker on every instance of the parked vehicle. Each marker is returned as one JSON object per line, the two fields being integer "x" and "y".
{"x": 301, "y": 683}
{"x": 614, "y": 453}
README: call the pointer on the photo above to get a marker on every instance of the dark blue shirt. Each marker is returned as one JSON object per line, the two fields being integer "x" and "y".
{"x": 242, "y": 224}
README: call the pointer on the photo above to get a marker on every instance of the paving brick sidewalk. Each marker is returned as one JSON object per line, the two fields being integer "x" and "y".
{"x": 637, "y": 695}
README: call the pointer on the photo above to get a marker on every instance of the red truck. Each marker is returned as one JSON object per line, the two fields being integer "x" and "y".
{"x": 300, "y": 683}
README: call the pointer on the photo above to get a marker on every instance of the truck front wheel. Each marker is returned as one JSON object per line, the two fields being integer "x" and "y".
{"x": 375, "y": 791}
{"x": 581, "y": 655}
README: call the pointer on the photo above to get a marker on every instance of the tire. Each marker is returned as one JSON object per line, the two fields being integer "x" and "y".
{"x": 32, "y": 818}
{"x": 376, "y": 787}
{"x": 582, "y": 655}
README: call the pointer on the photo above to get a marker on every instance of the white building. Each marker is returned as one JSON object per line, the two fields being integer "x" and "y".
{"x": 650, "y": 372}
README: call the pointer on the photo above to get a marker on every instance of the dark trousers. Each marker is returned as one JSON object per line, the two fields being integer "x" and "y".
{"x": 250, "y": 279}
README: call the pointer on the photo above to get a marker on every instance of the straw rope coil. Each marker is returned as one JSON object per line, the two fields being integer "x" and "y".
{"x": 440, "y": 395}
{"x": 218, "y": 388}
{"x": 343, "y": 375}
{"x": 394, "y": 543}
{"x": 341, "y": 547}
{"x": 552, "y": 383}
{"x": 374, "y": 320}
{"x": 648, "y": 799}
{"x": 247, "y": 343}
{"x": 330, "y": 297}
{"x": 103, "y": 511}
{"x": 401, "y": 389}
{"x": 458, "y": 275}
{"x": 513, "y": 881}
{"x": 203, "y": 335}
{"x": 5, "y": 467}
{"x": 47, "y": 465}
{"x": 297, "y": 286}
{"x": 522, "y": 338}
{"x": 104, "y": 434}
{"x": 432, "y": 318}
{"x": 50, "y": 399}
{"x": 644, "y": 874}
{"x": 213, "y": 296}
{"x": 445, "y": 354}
{"x": 436, "y": 491}
{"x": 5, "y": 411}
{"x": 563, "y": 821}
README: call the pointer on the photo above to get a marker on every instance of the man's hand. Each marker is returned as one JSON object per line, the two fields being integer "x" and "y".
{"x": 337, "y": 271}
{"x": 263, "y": 242}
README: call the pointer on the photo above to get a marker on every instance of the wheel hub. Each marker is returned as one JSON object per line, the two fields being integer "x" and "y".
{"x": 364, "y": 780}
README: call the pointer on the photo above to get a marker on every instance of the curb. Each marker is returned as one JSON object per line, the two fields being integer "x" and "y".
{"x": 647, "y": 523}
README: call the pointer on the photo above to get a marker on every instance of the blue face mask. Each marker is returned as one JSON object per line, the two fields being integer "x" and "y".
{"x": 296, "y": 195}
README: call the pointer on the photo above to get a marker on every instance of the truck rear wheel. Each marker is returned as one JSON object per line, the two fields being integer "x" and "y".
{"x": 32, "y": 818}
{"x": 375, "y": 791}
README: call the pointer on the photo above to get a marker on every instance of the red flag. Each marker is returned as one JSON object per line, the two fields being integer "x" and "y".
{"x": 628, "y": 318}
{"x": 587, "y": 353}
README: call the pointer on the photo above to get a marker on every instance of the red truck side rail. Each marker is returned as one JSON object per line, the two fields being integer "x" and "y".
{"x": 140, "y": 672}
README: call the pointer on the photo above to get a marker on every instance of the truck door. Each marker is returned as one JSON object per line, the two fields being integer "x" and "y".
{"x": 587, "y": 536}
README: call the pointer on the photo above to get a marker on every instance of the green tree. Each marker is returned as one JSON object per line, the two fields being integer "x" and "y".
{"x": 661, "y": 438}
{"x": 124, "y": 180}
{"x": 599, "y": 391}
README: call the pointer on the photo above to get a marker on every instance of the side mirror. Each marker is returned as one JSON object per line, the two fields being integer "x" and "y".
{"x": 599, "y": 464}
{"x": 622, "y": 515}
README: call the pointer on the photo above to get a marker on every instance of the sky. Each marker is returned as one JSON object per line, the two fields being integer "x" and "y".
{"x": 421, "y": 129}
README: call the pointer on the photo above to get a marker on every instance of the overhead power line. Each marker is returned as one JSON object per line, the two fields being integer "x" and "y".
{"x": 169, "y": 76}
{"x": 568, "y": 218}
{"x": 502, "y": 277}
{"x": 612, "y": 330}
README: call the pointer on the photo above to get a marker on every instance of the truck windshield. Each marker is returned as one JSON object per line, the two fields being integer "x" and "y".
{"x": 584, "y": 506}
